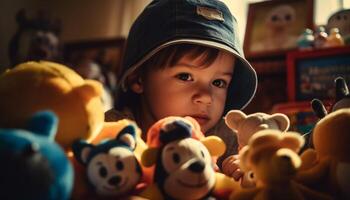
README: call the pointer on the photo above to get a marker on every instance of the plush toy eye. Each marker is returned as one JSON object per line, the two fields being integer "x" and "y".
{"x": 119, "y": 165}
{"x": 176, "y": 158}
{"x": 103, "y": 171}
{"x": 202, "y": 153}
{"x": 288, "y": 17}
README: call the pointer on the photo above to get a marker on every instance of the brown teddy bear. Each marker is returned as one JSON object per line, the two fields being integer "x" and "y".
{"x": 273, "y": 159}
{"x": 245, "y": 126}
{"x": 331, "y": 170}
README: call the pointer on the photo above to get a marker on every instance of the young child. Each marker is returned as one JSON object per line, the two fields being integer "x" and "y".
{"x": 183, "y": 58}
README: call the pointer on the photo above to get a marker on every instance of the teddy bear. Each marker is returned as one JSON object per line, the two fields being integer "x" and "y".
{"x": 183, "y": 163}
{"x": 33, "y": 166}
{"x": 273, "y": 158}
{"x": 43, "y": 85}
{"x": 245, "y": 126}
{"x": 330, "y": 171}
{"x": 112, "y": 168}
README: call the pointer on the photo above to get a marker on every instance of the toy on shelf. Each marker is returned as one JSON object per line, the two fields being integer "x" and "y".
{"x": 32, "y": 165}
{"x": 273, "y": 159}
{"x": 334, "y": 38}
{"x": 320, "y": 36}
{"x": 306, "y": 40}
{"x": 245, "y": 126}
{"x": 330, "y": 171}
{"x": 112, "y": 168}
{"x": 35, "y": 86}
{"x": 341, "y": 20}
{"x": 183, "y": 164}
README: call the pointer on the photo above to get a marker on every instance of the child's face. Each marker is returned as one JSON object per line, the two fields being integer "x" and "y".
{"x": 187, "y": 89}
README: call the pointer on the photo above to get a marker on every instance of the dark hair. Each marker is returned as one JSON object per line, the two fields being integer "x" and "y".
{"x": 166, "y": 57}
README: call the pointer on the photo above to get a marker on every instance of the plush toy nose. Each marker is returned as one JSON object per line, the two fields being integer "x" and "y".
{"x": 197, "y": 166}
{"x": 115, "y": 180}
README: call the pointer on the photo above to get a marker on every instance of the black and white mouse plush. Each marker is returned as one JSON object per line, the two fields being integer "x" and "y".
{"x": 111, "y": 166}
{"x": 183, "y": 165}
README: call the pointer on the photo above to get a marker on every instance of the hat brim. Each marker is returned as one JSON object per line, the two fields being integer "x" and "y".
{"x": 244, "y": 80}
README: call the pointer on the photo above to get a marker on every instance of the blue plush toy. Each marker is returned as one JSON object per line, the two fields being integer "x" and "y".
{"x": 111, "y": 166}
{"x": 32, "y": 165}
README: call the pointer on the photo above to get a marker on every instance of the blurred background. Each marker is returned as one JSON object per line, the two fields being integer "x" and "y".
{"x": 89, "y": 36}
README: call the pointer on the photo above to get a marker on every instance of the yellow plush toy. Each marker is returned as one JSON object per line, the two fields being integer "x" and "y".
{"x": 273, "y": 159}
{"x": 331, "y": 171}
{"x": 35, "y": 86}
{"x": 245, "y": 126}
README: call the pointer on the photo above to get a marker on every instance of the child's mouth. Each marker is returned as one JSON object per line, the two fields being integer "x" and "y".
{"x": 201, "y": 119}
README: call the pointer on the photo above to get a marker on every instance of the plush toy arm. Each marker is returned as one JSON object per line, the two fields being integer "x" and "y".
{"x": 152, "y": 192}
{"x": 308, "y": 159}
{"x": 314, "y": 174}
{"x": 225, "y": 186}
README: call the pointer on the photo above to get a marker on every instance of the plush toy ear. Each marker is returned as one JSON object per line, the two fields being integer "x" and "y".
{"x": 149, "y": 157}
{"x": 282, "y": 121}
{"x": 318, "y": 108}
{"x": 234, "y": 118}
{"x": 128, "y": 136}
{"x": 215, "y": 145}
{"x": 293, "y": 141}
{"x": 81, "y": 150}
{"x": 341, "y": 88}
{"x": 44, "y": 123}
{"x": 89, "y": 89}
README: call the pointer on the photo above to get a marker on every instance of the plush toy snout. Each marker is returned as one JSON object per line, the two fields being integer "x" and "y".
{"x": 287, "y": 162}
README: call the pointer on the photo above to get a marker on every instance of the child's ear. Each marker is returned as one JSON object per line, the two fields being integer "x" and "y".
{"x": 135, "y": 83}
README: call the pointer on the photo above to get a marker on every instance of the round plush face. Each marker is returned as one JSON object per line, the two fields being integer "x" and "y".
{"x": 187, "y": 89}
{"x": 340, "y": 20}
{"x": 114, "y": 173}
{"x": 36, "y": 86}
{"x": 280, "y": 18}
{"x": 190, "y": 169}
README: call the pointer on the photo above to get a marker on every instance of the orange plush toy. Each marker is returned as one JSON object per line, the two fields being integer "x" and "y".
{"x": 273, "y": 159}
{"x": 331, "y": 170}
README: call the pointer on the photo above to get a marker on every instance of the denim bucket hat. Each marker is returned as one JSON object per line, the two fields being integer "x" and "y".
{"x": 203, "y": 22}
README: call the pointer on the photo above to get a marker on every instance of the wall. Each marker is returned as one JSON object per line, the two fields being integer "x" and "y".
{"x": 88, "y": 19}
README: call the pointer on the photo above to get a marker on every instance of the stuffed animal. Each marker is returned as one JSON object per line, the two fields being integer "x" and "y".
{"x": 32, "y": 165}
{"x": 37, "y": 38}
{"x": 35, "y": 86}
{"x": 273, "y": 159}
{"x": 183, "y": 164}
{"x": 342, "y": 100}
{"x": 112, "y": 168}
{"x": 245, "y": 126}
{"x": 331, "y": 171}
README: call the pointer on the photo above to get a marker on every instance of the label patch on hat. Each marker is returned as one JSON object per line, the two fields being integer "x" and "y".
{"x": 210, "y": 13}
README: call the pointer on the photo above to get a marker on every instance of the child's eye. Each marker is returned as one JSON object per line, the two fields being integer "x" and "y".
{"x": 184, "y": 77}
{"x": 220, "y": 83}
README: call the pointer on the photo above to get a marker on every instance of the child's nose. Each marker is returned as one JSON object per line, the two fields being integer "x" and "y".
{"x": 203, "y": 96}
